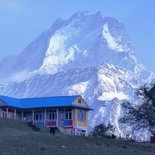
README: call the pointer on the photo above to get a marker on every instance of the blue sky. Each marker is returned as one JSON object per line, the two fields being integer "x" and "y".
{"x": 21, "y": 21}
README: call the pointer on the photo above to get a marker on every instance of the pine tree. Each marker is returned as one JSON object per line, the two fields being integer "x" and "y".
{"x": 143, "y": 115}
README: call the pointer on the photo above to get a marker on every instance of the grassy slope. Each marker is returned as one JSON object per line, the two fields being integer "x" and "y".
{"x": 16, "y": 138}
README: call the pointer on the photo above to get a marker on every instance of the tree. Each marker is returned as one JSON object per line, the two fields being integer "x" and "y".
{"x": 144, "y": 114}
{"x": 103, "y": 130}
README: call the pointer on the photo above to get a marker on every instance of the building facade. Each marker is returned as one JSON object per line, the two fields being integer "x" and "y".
{"x": 68, "y": 113}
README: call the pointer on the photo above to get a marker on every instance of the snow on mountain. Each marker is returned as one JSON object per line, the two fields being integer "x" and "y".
{"x": 112, "y": 42}
{"x": 90, "y": 55}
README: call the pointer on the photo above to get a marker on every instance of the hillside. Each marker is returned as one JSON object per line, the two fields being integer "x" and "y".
{"x": 16, "y": 138}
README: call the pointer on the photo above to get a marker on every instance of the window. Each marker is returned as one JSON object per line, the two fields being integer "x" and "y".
{"x": 38, "y": 116}
{"x": 52, "y": 115}
{"x": 79, "y": 100}
{"x": 68, "y": 114}
{"x": 81, "y": 115}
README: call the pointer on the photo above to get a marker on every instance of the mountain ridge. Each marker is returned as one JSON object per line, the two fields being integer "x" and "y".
{"x": 90, "y": 55}
{"x": 92, "y": 26}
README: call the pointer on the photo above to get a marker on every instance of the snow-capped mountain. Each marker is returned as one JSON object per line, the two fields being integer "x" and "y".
{"x": 90, "y": 55}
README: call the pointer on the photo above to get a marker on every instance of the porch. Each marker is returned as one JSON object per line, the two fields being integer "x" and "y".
{"x": 42, "y": 117}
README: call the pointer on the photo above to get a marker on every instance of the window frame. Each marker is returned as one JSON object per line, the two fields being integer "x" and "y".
{"x": 68, "y": 115}
{"x": 81, "y": 115}
{"x": 79, "y": 100}
{"x": 52, "y": 115}
{"x": 38, "y": 116}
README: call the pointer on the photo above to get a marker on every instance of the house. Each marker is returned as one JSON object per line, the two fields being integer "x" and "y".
{"x": 68, "y": 113}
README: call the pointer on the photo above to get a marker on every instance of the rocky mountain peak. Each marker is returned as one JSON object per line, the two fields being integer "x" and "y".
{"x": 90, "y": 55}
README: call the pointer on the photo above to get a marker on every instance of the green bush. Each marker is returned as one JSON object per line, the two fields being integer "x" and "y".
{"x": 103, "y": 130}
{"x": 34, "y": 127}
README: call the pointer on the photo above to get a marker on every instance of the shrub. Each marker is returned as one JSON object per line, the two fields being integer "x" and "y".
{"x": 102, "y": 130}
{"x": 34, "y": 127}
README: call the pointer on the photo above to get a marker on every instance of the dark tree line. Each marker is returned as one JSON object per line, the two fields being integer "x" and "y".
{"x": 144, "y": 114}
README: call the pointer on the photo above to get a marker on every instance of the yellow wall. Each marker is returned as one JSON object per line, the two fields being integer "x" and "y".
{"x": 75, "y": 112}
{"x": 82, "y": 101}
{"x": 77, "y": 122}
{"x": 1, "y": 102}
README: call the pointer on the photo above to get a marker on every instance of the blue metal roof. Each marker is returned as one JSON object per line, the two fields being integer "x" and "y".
{"x": 9, "y": 101}
{"x": 42, "y": 102}
{"x": 58, "y": 101}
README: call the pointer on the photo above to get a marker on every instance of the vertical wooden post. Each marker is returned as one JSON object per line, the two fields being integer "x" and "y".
{"x": 57, "y": 121}
{"x": 72, "y": 115}
{"x": 44, "y": 117}
{"x": 1, "y": 112}
{"x": 32, "y": 116}
{"x": 22, "y": 115}
{"x": 72, "y": 118}
{"x": 7, "y": 113}
{"x": 14, "y": 114}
